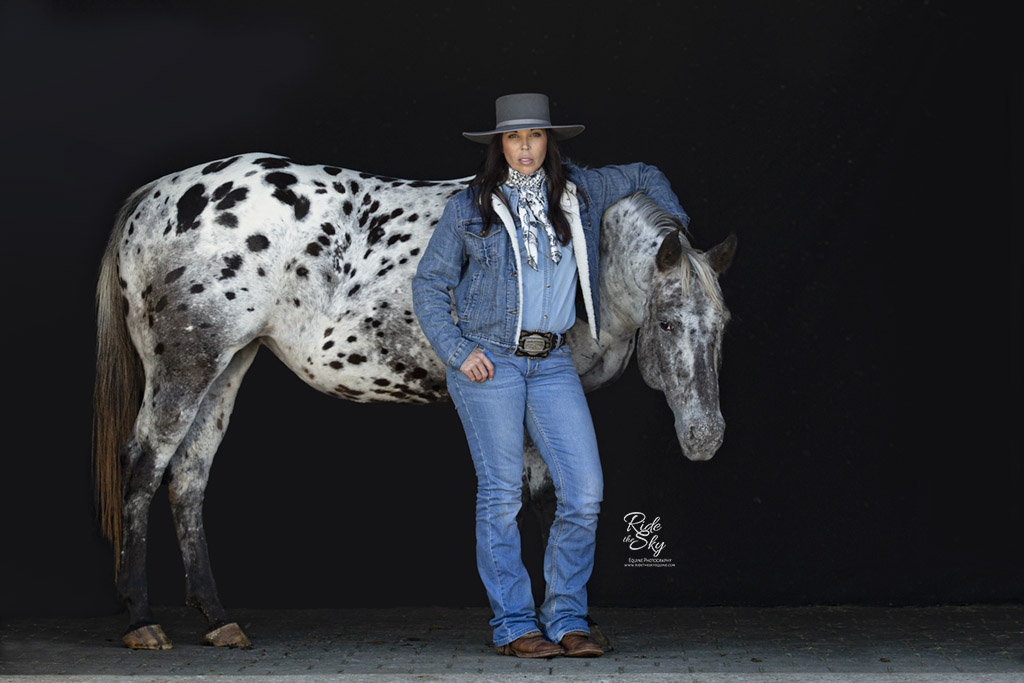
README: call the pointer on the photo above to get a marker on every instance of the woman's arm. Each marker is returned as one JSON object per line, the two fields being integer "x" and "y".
{"x": 438, "y": 272}
{"x": 608, "y": 184}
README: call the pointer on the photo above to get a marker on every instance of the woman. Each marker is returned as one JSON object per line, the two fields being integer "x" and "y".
{"x": 512, "y": 247}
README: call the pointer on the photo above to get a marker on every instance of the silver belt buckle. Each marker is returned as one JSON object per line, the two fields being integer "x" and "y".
{"x": 534, "y": 344}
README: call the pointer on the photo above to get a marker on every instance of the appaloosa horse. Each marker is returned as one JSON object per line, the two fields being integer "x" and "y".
{"x": 315, "y": 262}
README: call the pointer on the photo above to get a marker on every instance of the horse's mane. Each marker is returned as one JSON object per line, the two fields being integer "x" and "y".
{"x": 693, "y": 265}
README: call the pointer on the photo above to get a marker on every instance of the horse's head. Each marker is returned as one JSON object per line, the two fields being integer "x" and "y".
{"x": 679, "y": 349}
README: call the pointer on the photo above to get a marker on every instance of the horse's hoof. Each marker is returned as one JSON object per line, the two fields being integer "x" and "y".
{"x": 598, "y": 636}
{"x": 150, "y": 637}
{"x": 228, "y": 635}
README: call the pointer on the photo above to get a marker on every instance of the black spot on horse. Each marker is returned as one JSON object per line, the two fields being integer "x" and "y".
{"x": 328, "y": 228}
{"x": 381, "y": 382}
{"x": 174, "y": 275}
{"x": 413, "y": 217}
{"x": 218, "y": 166}
{"x": 236, "y": 196}
{"x": 414, "y": 251}
{"x": 301, "y": 271}
{"x": 234, "y": 261}
{"x": 160, "y": 305}
{"x": 296, "y": 302}
{"x": 280, "y": 180}
{"x": 196, "y": 289}
{"x": 324, "y": 240}
{"x": 363, "y": 218}
{"x": 418, "y": 373}
{"x": 228, "y": 220}
{"x": 356, "y": 359}
{"x": 384, "y": 271}
{"x": 229, "y": 295}
{"x": 327, "y": 345}
{"x": 339, "y": 187}
{"x": 190, "y": 206}
{"x": 354, "y": 186}
{"x": 351, "y": 338}
{"x": 336, "y": 364}
{"x": 397, "y": 183}
{"x": 422, "y": 183}
{"x": 347, "y": 207}
{"x": 374, "y": 206}
{"x": 222, "y": 191}
{"x": 156, "y": 194}
{"x": 332, "y": 170}
{"x": 366, "y": 199}
{"x": 397, "y": 212}
{"x": 159, "y": 348}
{"x": 313, "y": 249}
{"x": 257, "y": 242}
{"x": 261, "y": 272}
{"x": 321, "y": 191}
{"x": 298, "y": 202}
{"x": 271, "y": 162}
{"x": 354, "y": 289}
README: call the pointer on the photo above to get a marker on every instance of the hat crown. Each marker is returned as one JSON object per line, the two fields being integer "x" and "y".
{"x": 522, "y": 107}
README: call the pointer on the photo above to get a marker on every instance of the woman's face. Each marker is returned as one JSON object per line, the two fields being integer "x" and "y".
{"x": 525, "y": 149}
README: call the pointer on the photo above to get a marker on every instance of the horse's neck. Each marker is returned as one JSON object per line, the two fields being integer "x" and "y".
{"x": 627, "y": 263}
{"x": 627, "y": 270}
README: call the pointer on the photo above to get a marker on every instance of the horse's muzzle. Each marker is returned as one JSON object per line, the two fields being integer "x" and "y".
{"x": 701, "y": 438}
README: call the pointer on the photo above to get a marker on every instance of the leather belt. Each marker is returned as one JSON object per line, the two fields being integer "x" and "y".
{"x": 534, "y": 344}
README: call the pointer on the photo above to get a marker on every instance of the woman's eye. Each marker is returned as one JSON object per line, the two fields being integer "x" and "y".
{"x": 665, "y": 325}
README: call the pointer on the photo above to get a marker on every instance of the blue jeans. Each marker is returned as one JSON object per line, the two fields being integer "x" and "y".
{"x": 545, "y": 396}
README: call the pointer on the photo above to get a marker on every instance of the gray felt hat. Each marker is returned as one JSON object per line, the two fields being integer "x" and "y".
{"x": 523, "y": 110}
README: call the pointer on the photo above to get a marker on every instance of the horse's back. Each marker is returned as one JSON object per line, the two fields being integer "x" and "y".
{"x": 316, "y": 260}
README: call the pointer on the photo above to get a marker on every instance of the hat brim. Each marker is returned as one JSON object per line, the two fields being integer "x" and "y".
{"x": 561, "y": 132}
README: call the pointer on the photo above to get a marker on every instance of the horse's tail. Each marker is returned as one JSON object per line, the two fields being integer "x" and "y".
{"x": 119, "y": 383}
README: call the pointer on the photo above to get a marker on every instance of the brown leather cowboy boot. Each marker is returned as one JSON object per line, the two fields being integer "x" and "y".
{"x": 579, "y": 644}
{"x": 532, "y": 645}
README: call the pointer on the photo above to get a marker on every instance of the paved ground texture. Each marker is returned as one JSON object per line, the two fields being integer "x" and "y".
{"x": 710, "y": 644}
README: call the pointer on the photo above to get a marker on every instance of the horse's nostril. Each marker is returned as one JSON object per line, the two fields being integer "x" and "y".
{"x": 693, "y": 432}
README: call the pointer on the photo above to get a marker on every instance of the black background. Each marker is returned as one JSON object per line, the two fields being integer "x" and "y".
{"x": 861, "y": 152}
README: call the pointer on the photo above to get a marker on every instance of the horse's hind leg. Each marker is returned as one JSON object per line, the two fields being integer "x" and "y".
{"x": 189, "y": 472}
{"x": 174, "y": 391}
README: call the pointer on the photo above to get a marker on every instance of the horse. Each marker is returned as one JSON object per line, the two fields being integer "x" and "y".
{"x": 315, "y": 262}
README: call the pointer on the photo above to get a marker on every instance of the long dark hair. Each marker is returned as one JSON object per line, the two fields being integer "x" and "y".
{"x": 493, "y": 172}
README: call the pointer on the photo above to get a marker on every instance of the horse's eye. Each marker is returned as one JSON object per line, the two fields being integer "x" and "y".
{"x": 665, "y": 325}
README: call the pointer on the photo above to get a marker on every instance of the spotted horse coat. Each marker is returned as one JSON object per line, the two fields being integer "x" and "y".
{"x": 316, "y": 262}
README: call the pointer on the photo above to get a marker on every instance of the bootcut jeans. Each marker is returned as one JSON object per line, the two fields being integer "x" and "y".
{"x": 545, "y": 396}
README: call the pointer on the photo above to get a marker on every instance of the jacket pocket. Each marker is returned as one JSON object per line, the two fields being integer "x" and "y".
{"x": 482, "y": 248}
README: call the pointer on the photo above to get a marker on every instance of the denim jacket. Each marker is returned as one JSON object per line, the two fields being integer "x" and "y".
{"x": 482, "y": 271}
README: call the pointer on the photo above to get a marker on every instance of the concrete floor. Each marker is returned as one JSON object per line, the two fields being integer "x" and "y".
{"x": 841, "y": 643}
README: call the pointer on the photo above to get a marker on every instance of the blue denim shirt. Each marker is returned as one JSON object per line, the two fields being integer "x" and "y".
{"x": 482, "y": 273}
{"x": 549, "y": 293}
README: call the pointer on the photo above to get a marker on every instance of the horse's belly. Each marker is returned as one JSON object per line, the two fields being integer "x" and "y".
{"x": 363, "y": 358}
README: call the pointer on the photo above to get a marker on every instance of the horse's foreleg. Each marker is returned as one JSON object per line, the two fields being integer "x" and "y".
{"x": 189, "y": 472}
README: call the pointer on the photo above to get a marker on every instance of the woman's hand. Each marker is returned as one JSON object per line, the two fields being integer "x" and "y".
{"x": 477, "y": 367}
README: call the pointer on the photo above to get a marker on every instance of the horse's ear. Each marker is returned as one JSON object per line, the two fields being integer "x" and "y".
{"x": 669, "y": 251}
{"x": 720, "y": 255}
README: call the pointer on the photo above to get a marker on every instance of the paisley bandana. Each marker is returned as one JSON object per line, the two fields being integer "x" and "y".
{"x": 533, "y": 214}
